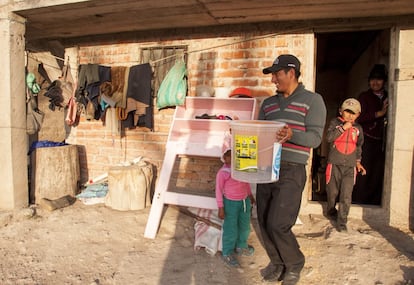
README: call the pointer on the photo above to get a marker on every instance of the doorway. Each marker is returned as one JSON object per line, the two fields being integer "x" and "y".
{"x": 343, "y": 62}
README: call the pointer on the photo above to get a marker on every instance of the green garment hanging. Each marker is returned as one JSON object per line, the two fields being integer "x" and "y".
{"x": 173, "y": 88}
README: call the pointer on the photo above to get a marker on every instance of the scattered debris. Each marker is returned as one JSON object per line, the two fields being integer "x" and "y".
{"x": 61, "y": 202}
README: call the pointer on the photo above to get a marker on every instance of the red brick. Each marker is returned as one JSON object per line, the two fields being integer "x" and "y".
{"x": 233, "y": 55}
{"x": 244, "y": 82}
{"x": 231, "y": 73}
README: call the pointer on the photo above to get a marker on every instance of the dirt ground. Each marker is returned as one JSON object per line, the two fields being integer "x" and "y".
{"x": 94, "y": 244}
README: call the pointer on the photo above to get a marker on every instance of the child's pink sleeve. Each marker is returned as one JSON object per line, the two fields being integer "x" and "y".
{"x": 220, "y": 179}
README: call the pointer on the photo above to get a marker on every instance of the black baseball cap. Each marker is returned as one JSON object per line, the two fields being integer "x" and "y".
{"x": 379, "y": 71}
{"x": 283, "y": 61}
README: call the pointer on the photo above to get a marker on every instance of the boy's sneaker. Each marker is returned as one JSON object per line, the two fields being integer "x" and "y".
{"x": 342, "y": 228}
{"x": 247, "y": 251}
{"x": 231, "y": 260}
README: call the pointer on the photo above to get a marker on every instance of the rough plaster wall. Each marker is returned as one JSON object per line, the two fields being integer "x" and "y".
{"x": 401, "y": 200}
{"x": 13, "y": 137}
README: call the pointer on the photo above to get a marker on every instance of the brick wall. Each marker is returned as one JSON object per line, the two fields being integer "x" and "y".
{"x": 221, "y": 62}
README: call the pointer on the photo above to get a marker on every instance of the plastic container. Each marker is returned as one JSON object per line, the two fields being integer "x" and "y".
{"x": 204, "y": 91}
{"x": 252, "y": 150}
{"x": 222, "y": 92}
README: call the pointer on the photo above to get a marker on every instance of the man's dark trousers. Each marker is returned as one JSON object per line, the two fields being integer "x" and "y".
{"x": 278, "y": 206}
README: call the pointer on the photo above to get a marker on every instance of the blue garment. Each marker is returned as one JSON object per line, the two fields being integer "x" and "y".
{"x": 45, "y": 143}
{"x": 94, "y": 191}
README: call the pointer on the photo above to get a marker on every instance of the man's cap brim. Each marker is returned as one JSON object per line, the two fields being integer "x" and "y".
{"x": 271, "y": 69}
{"x": 350, "y": 111}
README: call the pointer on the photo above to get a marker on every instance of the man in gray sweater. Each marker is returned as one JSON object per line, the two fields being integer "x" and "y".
{"x": 278, "y": 203}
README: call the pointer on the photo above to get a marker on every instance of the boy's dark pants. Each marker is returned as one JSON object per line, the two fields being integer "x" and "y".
{"x": 341, "y": 182}
{"x": 278, "y": 206}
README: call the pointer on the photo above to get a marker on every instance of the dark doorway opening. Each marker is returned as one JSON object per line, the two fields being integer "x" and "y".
{"x": 343, "y": 62}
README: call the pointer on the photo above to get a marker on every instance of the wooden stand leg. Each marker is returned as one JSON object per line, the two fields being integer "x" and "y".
{"x": 159, "y": 195}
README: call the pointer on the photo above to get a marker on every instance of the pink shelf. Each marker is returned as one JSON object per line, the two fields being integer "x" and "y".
{"x": 205, "y": 136}
{"x": 196, "y": 137}
{"x": 236, "y": 108}
{"x": 197, "y": 130}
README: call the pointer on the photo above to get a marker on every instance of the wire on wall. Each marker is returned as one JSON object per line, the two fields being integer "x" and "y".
{"x": 35, "y": 58}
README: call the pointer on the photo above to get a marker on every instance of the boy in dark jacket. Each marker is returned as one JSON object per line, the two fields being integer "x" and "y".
{"x": 345, "y": 137}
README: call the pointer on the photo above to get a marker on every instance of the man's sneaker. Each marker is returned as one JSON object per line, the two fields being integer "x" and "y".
{"x": 247, "y": 251}
{"x": 268, "y": 269}
{"x": 272, "y": 273}
{"x": 291, "y": 278}
{"x": 231, "y": 260}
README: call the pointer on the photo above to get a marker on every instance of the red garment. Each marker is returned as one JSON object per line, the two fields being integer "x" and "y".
{"x": 345, "y": 146}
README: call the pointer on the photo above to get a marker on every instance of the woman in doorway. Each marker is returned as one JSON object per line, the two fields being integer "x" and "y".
{"x": 373, "y": 119}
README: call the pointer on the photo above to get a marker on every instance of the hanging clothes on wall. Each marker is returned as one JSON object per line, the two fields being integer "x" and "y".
{"x": 139, "y": 100}
{"x": 88, "y": 74}
{"x": 105, "y": 99}
{"x": 91, "y": 76}
{"x": 173, "y": 88}
{"x": 111, "y": 122}
{"x": 119, "y": 77}
{"x": 139, "y": 83}
{"x": 68, "y": 83}
{"x": 42, "y": 71}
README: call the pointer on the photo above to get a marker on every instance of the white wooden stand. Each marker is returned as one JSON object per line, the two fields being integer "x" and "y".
{"x": 195, "y": 137}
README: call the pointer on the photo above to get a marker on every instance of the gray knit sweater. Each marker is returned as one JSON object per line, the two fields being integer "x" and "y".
{"x": 304, "y": 112}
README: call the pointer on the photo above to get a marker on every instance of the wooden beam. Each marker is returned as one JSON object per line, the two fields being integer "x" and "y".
{"x": 328, "y": 25}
